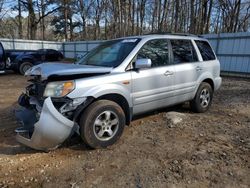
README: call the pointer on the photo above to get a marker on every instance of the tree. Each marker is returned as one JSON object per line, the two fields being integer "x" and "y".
{"x": 105, "y": 19}
{"x": 33, "y": 20}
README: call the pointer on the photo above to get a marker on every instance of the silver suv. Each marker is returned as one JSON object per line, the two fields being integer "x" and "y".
{"x": 97, "y": 96}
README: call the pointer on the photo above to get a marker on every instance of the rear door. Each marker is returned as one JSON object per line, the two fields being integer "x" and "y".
{"x": 187, "y": 68}
{"x": 152, "y": 87}
{"x": 2, "y": 58}
{"x": 210, "y": 63}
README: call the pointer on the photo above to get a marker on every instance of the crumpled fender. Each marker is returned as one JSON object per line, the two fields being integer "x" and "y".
{"x": 51, "y": 130}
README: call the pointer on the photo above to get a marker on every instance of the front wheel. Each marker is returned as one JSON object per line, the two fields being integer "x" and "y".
{"x": 203, "y": 98}
{"x": 102, "y": 124}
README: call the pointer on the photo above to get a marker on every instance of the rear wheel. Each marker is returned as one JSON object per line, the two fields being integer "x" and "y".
{"x": 203, "y": 98}
{"x": 24, "y": 67}
{"x": 102, "y": 124}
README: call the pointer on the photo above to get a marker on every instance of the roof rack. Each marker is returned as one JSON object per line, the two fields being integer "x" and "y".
{"x": 171, "y": 33}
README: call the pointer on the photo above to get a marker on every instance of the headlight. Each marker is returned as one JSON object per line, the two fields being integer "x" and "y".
{"x": 59, "y": 89}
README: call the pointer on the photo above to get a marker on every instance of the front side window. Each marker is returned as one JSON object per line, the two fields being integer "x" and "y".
{"x": 110, "y": 53}
{"x": 183, "y": 51}
{"x": 157, "y": 51}
{"x": 205, "y": 50}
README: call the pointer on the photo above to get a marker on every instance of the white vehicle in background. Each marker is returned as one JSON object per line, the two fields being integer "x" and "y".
{"x": 100, "y": 94}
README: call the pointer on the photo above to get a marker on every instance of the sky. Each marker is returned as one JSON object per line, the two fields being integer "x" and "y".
{"x": 7, "y": 9}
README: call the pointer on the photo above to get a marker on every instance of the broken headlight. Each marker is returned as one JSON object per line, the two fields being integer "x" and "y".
{"x": 59, "y": 89}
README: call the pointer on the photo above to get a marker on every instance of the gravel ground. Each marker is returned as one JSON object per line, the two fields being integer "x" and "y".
{"x": 196, "y": 150}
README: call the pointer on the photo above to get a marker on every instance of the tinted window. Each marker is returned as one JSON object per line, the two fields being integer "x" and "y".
{"x": 157, "y": 51}
{"x": 52, "y": 52}
{"x": 205, "y": 50}
{"x": 1, "y": 51}
{"x": 183, "y": 51}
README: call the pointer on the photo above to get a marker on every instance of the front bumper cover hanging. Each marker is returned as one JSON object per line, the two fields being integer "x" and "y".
{"x": 51, "y": 130}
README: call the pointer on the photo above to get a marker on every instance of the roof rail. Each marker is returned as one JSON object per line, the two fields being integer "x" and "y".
{"x": 171, "y": 33}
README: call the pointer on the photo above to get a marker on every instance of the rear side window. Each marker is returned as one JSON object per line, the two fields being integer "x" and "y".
{"x": 205, "y": 50}
{"x": 157, "y": 51}
{"x": 183, "y": 51}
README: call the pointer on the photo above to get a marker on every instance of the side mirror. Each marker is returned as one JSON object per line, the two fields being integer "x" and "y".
{"x": 143, "y": 63}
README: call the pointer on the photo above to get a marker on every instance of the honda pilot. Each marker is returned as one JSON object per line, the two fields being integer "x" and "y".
{"x": 100, "y": 94}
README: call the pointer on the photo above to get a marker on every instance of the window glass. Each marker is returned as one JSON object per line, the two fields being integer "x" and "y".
{"x": 51, "y": 52}
{"x": 183, "y": 51}
{"x": 1, "y": 50}
{"x": 110, "y": 53}
{"x": 205, "y": 50}
{"x": 157, "y": 51}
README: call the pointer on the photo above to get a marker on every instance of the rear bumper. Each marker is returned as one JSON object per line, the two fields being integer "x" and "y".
{"x": 51, "y": 130}
{"x": 217, "y": 83}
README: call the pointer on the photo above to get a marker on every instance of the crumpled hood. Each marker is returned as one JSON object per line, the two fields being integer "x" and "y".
{"x": 60, "y": 69}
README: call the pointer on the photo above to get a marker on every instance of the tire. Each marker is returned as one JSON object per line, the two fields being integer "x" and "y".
{"x": 203, "y": 98}
{"x": 24, "y": 67}
{"x": 96, "y": 127}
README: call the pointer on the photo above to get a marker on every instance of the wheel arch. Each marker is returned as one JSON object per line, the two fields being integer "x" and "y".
{"x": 117, "y": 98}
{"x": 121, "y": 101}
{"x": 23, "y": 60}
{"x": 210, "y": 82}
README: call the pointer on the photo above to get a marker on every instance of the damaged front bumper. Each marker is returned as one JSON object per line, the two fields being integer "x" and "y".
{"x": 51, "y": 130}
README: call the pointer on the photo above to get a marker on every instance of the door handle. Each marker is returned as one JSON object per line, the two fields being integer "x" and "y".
{"x": 198, "y": 68}
{"x": 168, "y": 73}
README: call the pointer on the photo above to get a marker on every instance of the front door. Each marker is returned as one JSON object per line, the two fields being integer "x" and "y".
{"x": 152, "y": 87}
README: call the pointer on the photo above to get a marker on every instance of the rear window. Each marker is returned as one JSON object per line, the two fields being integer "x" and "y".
{"x": 205, "y": 50}
{"x": 183, "y": 51}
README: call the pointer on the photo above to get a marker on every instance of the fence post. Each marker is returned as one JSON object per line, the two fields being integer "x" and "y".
{"x": 248, "y": 67}
{"x": 75, "y": 50}
{"x": 217, "y": 44}
{"x": 13, "y": 43}
{"x": 63, "y": 48}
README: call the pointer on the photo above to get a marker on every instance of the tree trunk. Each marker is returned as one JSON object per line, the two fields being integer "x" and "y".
{"x": 65, "y": 10}
{"x": 154, "y": 15}
{"x": 142, "y": 14}
{"x": 133, "y": 17}
{"x": 83, "y": 13}
{"x": 20, "y": 25}
{"x": 237, "y": 16}
{"x": 176, "y": 16}
{"x": 32, "y": 21}
{"x": 208, "y": 16}
{"x": 43, "y": 24}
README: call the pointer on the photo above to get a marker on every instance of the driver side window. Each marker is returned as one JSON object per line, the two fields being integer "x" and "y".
{"x": 157, "y": 51}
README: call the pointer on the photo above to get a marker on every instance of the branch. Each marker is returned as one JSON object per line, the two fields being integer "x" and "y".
{"x": 48, "y": 13}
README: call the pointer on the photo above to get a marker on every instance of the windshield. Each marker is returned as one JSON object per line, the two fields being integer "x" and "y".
{"x": 110, "y": 53}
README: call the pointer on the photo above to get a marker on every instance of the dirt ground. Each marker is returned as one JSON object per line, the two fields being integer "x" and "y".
{"x": 204, "y": 150}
